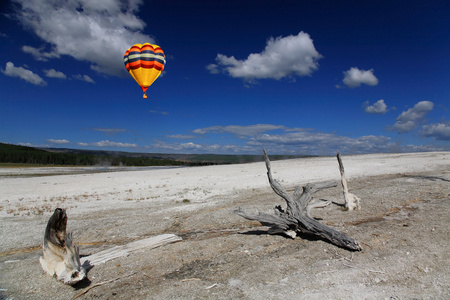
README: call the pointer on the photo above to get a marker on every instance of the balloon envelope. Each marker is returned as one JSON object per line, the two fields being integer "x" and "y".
{"x": 144, "y": 62}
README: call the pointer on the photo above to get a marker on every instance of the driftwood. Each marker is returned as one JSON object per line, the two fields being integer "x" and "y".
{"x": 61, "y": 257}
{"x": 352, "y": 202}
{"x": 296, "y": 218}
{"x": 124, "y": 250}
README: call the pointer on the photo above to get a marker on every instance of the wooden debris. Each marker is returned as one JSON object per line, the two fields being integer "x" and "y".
{"x": 190, "y": 279}
{"x": 352, "y": 202}
{"x": 60, "y": 255}
{"x": 296, "y": 218}
{"x": 124, "y": 250}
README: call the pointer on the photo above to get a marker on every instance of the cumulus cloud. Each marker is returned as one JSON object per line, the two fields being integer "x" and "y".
{"x": 24, "y": 74}
{"x": 355, "y": 77}
{"x": 410, "y": 119}
{"x": 438, "y": 131}
{"x": 282, "y": 57}
{"x": 53, "y": 141}
{"x": 378, "y": 107}
{"x": 213, "y": 68}
{"x": 52, "y": 73}
{"x": 107, "y": 143}
{"x": 92, "y": 31}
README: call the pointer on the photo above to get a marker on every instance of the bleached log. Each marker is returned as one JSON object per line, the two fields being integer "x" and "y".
{"x": 352, "y": 202}
{"x": 296, "y": 218}
{"x": 124, "y": 250}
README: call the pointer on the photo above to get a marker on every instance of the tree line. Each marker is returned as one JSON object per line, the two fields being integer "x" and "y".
{"x": 29, "y": 155}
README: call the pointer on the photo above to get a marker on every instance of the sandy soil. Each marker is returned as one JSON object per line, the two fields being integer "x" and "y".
{"x": 403, "y": 228}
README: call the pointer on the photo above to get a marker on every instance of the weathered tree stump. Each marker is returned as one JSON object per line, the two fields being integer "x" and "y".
{"x": 352, "y": 202}
{"x": 61, "y": 257}
{"x": 296, "y": 218}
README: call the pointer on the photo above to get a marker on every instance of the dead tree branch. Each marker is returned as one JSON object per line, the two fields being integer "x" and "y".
{"x": 95, "y": 259}
{"x": 296, "y": 218}
{"x": 352, "y": 202}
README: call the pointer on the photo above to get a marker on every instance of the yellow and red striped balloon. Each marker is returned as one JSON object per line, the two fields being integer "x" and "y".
{"x": 144, "y": 62}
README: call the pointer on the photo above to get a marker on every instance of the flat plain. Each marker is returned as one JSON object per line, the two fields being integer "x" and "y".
{"x": 403, "y": 227}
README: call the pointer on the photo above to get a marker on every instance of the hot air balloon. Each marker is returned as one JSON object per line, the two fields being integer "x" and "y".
{"x": 144, "y": 62}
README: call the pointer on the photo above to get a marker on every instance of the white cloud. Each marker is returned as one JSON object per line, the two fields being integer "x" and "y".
{"x": 159, "y": 112}
{"x": 39, "y": 54}
{"x": 213, "y": 68}
{"x": 110, "y": 130}
{"x": 191, "y": 147}
{"x": 82, "y": 144}
{"x": 107, "y": 143}
{"x": 52, "y": 73}
{"x": 312, "y": 142}
{"x": 322, "y": 143}
{"x": 438, "y": 131}
{"x": 24, "y": 74}
{"x": 378, "y": 107}
{"x": 98, "y": 32}
{"x": 296, "y": 140}
{"x": 181, "y": 136}
{"x": 53, "y": 141}
{"x": 305, "y": 142}
{"x": 84, "y": 78}
{"x": 282, "y": 57}
{"x": 249, "y": 130}
{"x": 355, "y": 77}
{"x": 288, "y": 141}
{"x": 27, "y": 145}
{"x": 410, "y": 119}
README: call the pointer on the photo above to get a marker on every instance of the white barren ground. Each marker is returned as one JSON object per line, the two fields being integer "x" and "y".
{"x": 403, "y": 228}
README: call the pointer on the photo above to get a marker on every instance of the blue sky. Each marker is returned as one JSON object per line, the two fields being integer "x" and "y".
{"x": 292, "y": 77}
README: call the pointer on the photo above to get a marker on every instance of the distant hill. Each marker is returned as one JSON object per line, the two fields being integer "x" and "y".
{"x": 65, "y": 156}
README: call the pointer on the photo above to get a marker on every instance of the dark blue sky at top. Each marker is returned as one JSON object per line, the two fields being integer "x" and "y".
{"x": 396, "y": 101}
